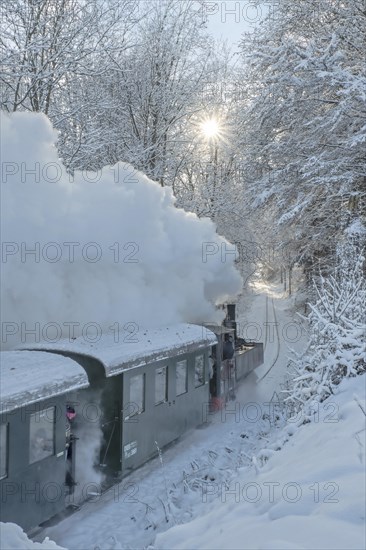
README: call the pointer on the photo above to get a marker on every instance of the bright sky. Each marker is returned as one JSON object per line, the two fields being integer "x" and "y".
{"x": 229, "y": 19}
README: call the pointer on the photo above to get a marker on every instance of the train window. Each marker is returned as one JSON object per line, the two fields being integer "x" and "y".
{"x": 181, "y": 377}
{"x": 42, "y": 435}
{"x": 199, "y": 371}
{"x": 161, "y": 386}
{"x": 137, "y": 393}
{"x": 3, "y": 450}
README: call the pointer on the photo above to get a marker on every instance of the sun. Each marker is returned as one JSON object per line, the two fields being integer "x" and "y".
{"x": 210, "y": 128}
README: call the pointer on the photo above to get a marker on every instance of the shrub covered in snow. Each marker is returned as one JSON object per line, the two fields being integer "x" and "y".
{"x": 336, "y": 347}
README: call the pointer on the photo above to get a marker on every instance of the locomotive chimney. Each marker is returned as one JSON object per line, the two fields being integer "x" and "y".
{"x": 231, "y": 312}
{"x": 230, "y": 318}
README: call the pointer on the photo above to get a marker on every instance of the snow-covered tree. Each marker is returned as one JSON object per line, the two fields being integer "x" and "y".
{"x": 50, "y": 55}
{"x": 148, "y": 93}
{"x": 303, "y": 127}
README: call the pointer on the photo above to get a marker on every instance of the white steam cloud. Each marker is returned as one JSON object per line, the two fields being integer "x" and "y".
{"x": 96, "y": 250}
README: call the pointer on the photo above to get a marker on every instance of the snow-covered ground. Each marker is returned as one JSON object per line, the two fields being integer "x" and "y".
{"x": 247, "y": 479}
{"x": 309, "y": 495}
{"x": 12, "y": 537}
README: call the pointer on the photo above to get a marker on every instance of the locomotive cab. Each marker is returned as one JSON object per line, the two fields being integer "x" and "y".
{"x": 232, "y": 359}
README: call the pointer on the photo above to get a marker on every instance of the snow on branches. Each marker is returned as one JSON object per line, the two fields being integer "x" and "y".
{"x": 337, "y": 323}
{"x": 304, "y": 129}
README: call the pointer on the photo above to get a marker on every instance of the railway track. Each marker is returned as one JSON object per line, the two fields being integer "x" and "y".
{"x": 266, "y": 326}
{"x": 266, "y": 337}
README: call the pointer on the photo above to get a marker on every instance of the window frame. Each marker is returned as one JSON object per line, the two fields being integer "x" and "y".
{"x": 165, "y": 367}
{"x": 201, "y": 355}
{"x": 5, "y": 425}
{"x": 130, "y": 401}
{"x": 31, "y": 436}
{"x": 186, "y": 377}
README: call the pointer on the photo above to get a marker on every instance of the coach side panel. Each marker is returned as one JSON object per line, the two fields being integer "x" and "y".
{"x": 32, "y": 476}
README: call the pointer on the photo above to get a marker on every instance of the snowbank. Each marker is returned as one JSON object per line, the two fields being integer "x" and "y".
{"x": 309, "y": 495}
{"x": 85, "y": 253}
{"x": 12, "y": 537}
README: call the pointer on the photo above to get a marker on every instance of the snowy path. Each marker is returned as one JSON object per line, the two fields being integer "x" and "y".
{"x": 160, "y": 495}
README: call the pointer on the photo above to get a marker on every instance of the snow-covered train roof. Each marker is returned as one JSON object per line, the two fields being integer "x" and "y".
{"x": 119, "y": 351}
{"x": 28, "y": 377}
